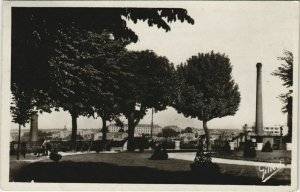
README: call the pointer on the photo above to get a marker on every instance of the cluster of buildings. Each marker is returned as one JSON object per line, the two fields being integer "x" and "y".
{"x": 140, "y": 129}
{"x": 119, "y": 133}
{"x": 273, "y": 131}
{"x": 114, "y": 133}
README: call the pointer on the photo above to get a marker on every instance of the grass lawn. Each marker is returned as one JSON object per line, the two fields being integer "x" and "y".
{"x": 276, "y": 156}
{"x": 128, "y": 167}
{"x": 16, "y": 165}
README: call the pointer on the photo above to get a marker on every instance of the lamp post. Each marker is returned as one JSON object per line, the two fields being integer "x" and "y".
{"x": 280, "y": 145}
{"x": 19, "y": 141}
{"x": 152, "y": 124}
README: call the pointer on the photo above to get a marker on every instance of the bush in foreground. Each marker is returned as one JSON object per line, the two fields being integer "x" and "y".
{"x": 159, "y": 153}
{"x": 203, "y": 164}
{"x": 267, "y": 147}
{"x": 54, "y": 156}
{"x": 226, "y": 148}
{"x": 101, "y": 145}
{"x": 249, "y": 149}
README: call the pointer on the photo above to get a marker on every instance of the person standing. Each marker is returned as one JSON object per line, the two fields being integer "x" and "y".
{"x": 23, "y": 149}
{"x": 44, "y": 148}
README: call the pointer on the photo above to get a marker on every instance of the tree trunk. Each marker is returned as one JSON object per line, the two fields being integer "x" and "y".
{"x": 104, "y": 133}
{"x": 207, "y": 135}
{"x": 130, "y": 143}
{"x": 74, "y": 131}
{"x": 290, "y": 118}
{"x": 19, "y": 142}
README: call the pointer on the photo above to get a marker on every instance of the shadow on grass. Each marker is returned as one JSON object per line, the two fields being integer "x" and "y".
{"x": 99, "y": 172}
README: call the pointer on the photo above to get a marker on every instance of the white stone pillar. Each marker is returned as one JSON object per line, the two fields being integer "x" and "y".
{"x": 259, "y": 146}
{"x": 177, "y": 144}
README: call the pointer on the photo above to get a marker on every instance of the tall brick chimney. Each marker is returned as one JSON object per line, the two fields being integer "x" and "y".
{"x": 259, "y": 106}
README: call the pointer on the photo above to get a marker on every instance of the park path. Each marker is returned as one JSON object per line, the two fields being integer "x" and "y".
{"x": 190, "y": 157}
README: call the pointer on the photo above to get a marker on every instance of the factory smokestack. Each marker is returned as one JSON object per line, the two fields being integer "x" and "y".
{"x": 259, "y": 107}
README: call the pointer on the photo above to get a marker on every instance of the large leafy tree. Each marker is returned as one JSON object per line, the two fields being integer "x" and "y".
{"x": 71, "y": 78}
{"x": 285, "y": 73}
{"x": 207, "y": 89}
{"x": 105, "y": 56}
{"x": 84, "y": 72}
{"x": 34, "y": 31}
{"x": 149, "y": 84}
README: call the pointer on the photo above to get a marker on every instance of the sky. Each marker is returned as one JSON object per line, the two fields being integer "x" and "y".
{"x": 247, "y": 32}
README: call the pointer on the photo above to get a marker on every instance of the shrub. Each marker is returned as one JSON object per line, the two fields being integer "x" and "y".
{"x": 54, "y": 156}
{"x": 216, "y": 147}
{"x": 202, "y": 164}
{"x": 189, "y": 145}
{"x": 99, "y": 146}
{"x": 249, "y": 149}
{"x": 226, "y": 148}
{"x": 12, "y": 150}
{"x": 159, "y": 153}
{"x": 141, "y": 143}
{"x": 65, "y": 146}
{"x": 170, "y": 145}
{"x": 152, "y": 144}
{"x": 267, "y": 147}
{"x": 117, "y": 143}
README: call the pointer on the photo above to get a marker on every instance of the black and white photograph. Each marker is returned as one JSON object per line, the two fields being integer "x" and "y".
{"x": 146, "y": 95}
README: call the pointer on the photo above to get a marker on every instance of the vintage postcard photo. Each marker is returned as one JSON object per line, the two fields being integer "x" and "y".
{"x": 145, "y": 95}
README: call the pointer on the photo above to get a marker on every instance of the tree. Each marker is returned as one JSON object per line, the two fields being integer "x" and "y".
{"x": 285, "y": 73}
{"x": 168, "y": 132}
{"x": 104, "y": 52}
{"x": 84, "y": 72}
{"x": 207, "y": 89}
{"x": 34, "y": 33}
{"x": 119, "y": 123}
{"x": 149, "y": 84}
{"x": 41, "y": 42}
{"x": 21, "y": 109}
{"x": 249, "y": 149}
{"x": 188, "y": 130}
{"x": 44, "y": 135}
{"x": 72, "y": 75}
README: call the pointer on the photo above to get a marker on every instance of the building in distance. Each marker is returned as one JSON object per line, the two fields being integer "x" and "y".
{"x": 140, "y": 129}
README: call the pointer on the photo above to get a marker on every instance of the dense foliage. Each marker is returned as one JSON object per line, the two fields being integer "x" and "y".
{"x": 203, "y": 164}
{"x": 168, "y": 132}
{"x": 285, "y": 73}
{"x": 267, "y": 147}
{"x": 249, "y": 149}
{"x": 34, "y": 29}
{"x": 149, "y": 85}
{"x": 207, "y": 89}
{"x": 69, "y": 58}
